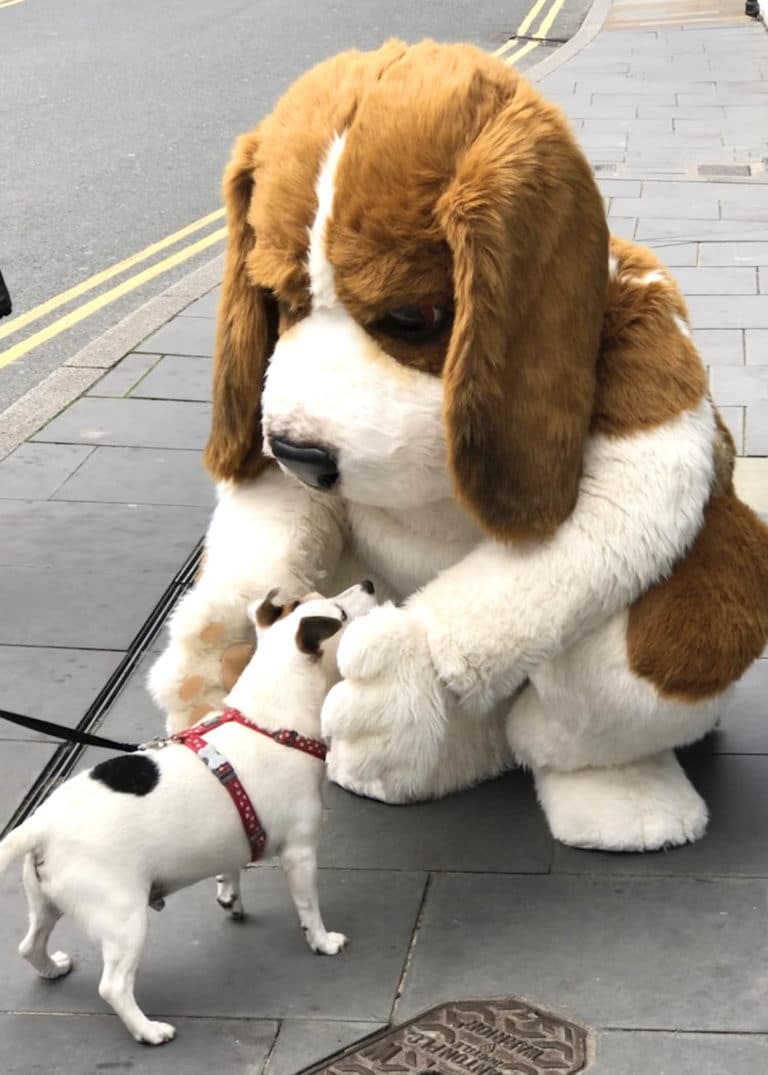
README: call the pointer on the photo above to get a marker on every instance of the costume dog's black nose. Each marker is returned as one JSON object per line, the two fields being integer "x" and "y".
{"x": 312, "y": 465}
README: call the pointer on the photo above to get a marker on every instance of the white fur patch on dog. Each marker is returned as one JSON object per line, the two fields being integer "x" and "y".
{"x": 322, "y": 285}
{"x": 387, "y": 437}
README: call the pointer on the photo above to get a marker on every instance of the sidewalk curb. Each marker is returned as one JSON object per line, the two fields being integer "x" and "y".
{"x": 585, "y": 35}
{"x": 28, "y": 414}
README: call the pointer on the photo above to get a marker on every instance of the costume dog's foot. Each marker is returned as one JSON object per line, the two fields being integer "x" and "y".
{"x": 644, "y": 806}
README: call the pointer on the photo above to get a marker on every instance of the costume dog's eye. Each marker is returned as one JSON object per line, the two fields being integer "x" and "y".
{"x": 414, "y": 323}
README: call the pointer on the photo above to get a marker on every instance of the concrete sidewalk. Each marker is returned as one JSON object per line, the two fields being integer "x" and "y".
{"x": 665, "y": 956}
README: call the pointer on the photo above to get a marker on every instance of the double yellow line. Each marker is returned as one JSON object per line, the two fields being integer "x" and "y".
{"x": 10, "y": 3}
{"x": 511, "y": 57}
{"x": 61, "y": 324}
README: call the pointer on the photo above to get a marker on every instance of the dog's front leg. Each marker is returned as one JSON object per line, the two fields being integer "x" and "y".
{"x": 228, "y": 894}
{"x": 300, "y": 866}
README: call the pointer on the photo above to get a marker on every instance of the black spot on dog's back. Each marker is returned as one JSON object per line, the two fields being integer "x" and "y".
{"x": 131, "y": 774}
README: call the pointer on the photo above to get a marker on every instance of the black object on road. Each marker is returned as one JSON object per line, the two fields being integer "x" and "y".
{"x": 5, "y": 298}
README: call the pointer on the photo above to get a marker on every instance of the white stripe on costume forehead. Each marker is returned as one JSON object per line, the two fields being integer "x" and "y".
{"x": 321, "y": 282}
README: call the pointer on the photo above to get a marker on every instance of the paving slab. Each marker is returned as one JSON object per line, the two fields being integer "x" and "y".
{"x": 751, "y": 481}
{"x": 734, "y": 418}
{"x": 728, "y": 311}
{"x": 756, "y": 347}
{"x": 736, "y": 386}
{"x": 638, "y": 1053}
{"x": 301, "y": 1042}
{"x": 98, "y": 540}
{"x": 163, "y": 476}
{"x": 756, "y": 430}
{"x": 720, "y": 347}
{"x": 676, "y": 254}
{"x": 97, "y": 1044}
{"x": 443, "y": 835}
{"x": 198, "y": 962}
{"x": 718, "y": 281}
{"x": 35, "y": 471}
{"x": 20, "y": 763}
{"x": 182, "y": 336}
{"x": 650, "y": 953}
{"x": 77, "y": 610}
{"x": 140, "y": 423}
{"x": 207, "y": 306}
{"x": 744, "y": 253}
{"x": 179, "y": 377}
{"x": 124, "y": 376}
{"x": 133, "y": 716}
{"x": 51, "y": 684}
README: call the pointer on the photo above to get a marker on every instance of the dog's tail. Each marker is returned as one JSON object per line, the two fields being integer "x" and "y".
{"x": 19, "y": 842}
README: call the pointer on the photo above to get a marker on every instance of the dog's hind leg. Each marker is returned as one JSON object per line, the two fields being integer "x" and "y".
{"x": 228, "y": 894}
{"x": 300, "y": 866}
{"x": 43, "y": 916}
{"x": 122, "y": 940}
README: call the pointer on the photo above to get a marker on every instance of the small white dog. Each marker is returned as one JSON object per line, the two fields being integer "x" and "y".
{"x": 137, "y": 827}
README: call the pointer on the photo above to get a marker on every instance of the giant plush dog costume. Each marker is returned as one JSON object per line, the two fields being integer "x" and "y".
{"x": 432, "y": 358}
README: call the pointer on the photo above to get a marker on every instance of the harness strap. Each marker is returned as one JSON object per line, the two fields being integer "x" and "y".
{"x": 225, "y": 773}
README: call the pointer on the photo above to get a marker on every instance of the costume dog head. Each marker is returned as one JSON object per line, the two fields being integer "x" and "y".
{"x": 414, "y": 291}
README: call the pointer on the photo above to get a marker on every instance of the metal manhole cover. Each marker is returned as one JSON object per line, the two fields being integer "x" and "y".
{"x": 507, "y": 1036}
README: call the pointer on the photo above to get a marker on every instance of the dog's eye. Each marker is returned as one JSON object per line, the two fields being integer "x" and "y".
{"x": 414, "y": 323}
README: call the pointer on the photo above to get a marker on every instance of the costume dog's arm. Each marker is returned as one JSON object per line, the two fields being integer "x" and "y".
{"x": 500, "y": 612}
{"x": 271, "y": 532}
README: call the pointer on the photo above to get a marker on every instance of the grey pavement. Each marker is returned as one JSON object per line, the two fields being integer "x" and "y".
{"x": 665, "y": 956}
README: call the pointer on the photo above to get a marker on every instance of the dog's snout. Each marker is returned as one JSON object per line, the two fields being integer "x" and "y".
{"x": 313, "y": 465}
{"x": 368, "y": 586}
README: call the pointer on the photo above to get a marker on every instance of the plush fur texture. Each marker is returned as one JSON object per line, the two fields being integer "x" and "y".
{"x": 117, "y": 838}
{"x": 541, "y": 484}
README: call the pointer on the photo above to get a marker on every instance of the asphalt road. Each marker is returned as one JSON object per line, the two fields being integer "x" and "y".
{"x": 116, "y": 120}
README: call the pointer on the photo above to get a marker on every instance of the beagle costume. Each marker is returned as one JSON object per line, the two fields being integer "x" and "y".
{"x": 434, "y": 366}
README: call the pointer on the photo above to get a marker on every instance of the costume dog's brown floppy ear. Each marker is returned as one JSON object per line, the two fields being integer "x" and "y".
{"x": 245, "y": 335}
{"x": 526, "y": 227}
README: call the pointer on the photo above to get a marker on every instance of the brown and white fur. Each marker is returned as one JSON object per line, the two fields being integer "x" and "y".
{"x": 75, "y": 865}
{"x": 540, "y": 479}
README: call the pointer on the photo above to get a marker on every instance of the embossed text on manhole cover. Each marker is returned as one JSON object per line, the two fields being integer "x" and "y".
{"x": 469, "y": 1037}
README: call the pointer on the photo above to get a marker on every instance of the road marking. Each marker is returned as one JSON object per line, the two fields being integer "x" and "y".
{"x": 107, "y": 297}
{"x": 542, "y": 31}
{"x": 75, "y": 292}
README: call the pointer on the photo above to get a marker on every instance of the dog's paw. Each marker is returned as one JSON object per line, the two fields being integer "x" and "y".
{"x": 63, "y": 964}
{"x": 156, "y": 1033}
{"x": 56, "y": 966}
{"x": 329, "y": 945}
{"x": 228, "y": 896}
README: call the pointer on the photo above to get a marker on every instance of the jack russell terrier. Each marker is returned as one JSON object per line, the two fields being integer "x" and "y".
{"x": 257, "y": 793}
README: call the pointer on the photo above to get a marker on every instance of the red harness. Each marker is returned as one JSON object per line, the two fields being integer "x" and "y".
{"x": 194, "y": 738}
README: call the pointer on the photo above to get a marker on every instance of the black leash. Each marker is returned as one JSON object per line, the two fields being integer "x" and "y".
{"x": 69, "y": 735}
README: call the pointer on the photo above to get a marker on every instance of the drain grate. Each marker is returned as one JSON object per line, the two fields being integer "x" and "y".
{"x": 65, "y": 757}
{"x": 505, "y": 1036}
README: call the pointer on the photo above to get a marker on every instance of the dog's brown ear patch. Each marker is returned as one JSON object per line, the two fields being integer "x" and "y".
{"x": 526, "y": 227}
{"x": 268, "y": 612}
{"x": 313, "y": 630}
{"x": 246, "y": 332}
